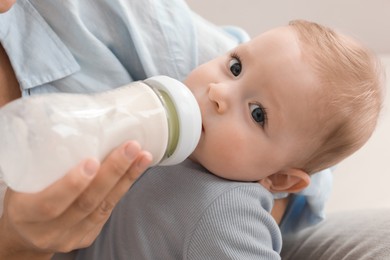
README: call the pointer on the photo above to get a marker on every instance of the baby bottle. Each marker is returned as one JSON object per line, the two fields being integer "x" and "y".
{"x": 42, "y": 137}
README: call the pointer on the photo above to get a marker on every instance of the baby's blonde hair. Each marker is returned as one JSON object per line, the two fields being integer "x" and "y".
{"x": 351, "y": 82}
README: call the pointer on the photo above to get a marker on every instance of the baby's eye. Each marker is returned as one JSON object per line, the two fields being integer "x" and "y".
{"x": 235, "y": 66}
{"x": 258, "y": 114}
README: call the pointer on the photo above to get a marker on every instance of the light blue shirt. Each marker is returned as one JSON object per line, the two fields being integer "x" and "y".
{"x": 95, "y": 45}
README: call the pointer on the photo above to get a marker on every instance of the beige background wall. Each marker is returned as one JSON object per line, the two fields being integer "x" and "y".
{"x": 363, "y": 180}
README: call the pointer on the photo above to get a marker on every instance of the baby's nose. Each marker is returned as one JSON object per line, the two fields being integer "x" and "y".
{"x": 218, "y": 94}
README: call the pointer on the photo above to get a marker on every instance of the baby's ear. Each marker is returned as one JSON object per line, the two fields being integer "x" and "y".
{"x": 291, "y": 181}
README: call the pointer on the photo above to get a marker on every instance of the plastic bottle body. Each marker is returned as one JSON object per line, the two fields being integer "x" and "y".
{"x": 43, "y": 137}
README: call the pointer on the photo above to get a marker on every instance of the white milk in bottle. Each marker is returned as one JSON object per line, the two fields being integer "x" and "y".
{"x": 43, "y": 137}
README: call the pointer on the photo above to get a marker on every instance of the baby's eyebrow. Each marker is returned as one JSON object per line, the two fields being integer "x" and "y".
{"x": 235, "y": 49}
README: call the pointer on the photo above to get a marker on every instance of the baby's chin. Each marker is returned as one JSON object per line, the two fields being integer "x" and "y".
{"x": 198, "y": 159}
{"x": 212, "y": 166}
{"x": 194, "y": 157}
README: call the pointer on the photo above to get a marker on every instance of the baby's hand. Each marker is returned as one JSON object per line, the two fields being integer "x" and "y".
{"x": 70, "y": 213}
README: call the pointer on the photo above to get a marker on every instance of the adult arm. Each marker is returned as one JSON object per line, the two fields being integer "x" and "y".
{"x": 361, "y": 234}
{"x": 5, "y": 5}
{"x": 9, "y": 87}
{"x": 70, "y": 213}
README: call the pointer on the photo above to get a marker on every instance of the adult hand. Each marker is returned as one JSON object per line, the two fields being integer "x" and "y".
{"x": 70, "y": 213}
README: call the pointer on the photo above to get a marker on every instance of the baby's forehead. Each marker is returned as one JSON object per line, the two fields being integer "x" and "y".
{"x": 276, "y": 38}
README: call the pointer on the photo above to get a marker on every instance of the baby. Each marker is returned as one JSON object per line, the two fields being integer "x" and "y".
{"x": 289, "y": 103}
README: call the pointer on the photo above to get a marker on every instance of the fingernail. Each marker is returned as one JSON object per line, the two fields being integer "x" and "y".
{"x": 131, "y": 151}
{"x": 145, "y": 161}
{"x": 90, "y": 167}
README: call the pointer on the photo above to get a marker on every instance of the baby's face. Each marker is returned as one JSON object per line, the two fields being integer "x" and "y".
{"x": 258, "y": 107}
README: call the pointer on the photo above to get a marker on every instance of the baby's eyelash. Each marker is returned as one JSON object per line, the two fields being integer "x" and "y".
{"x": 265, "y": 115}
{"x": 234, "y": 55}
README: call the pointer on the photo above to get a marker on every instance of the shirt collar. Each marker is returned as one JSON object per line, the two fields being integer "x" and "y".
{"x": 36, "y": 53}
